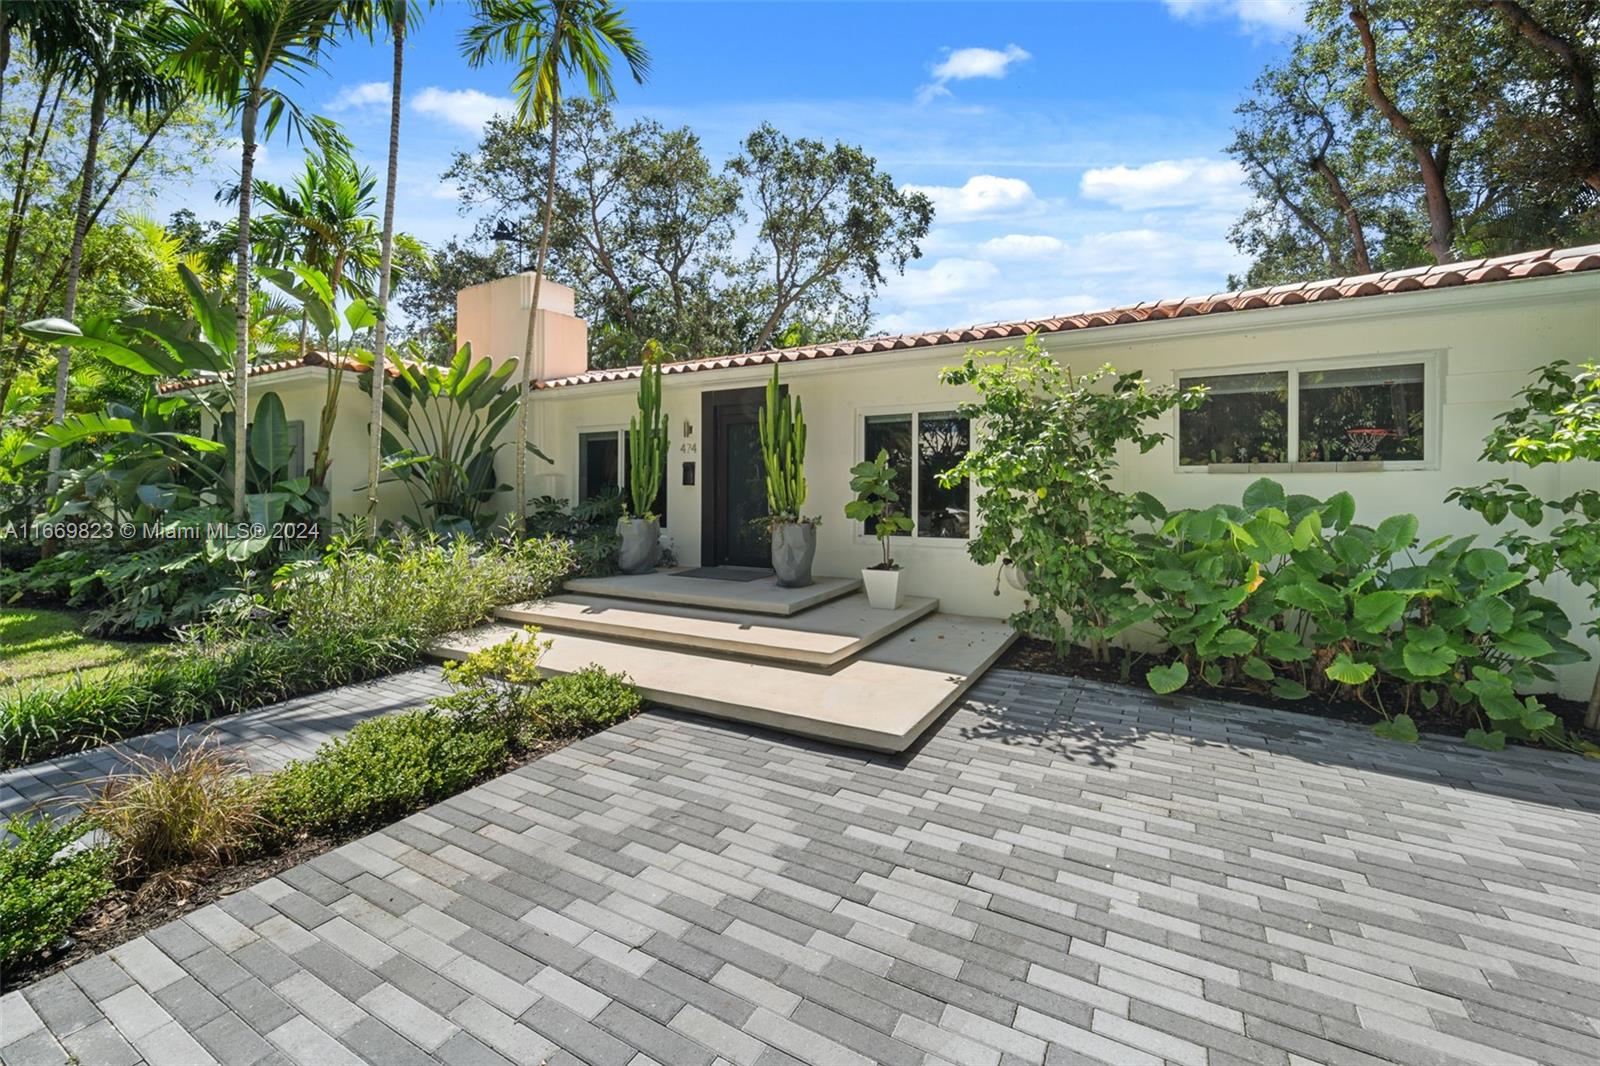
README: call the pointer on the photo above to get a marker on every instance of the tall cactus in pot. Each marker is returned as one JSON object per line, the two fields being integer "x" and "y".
{"x": 647, "y": 459}
{"x": 647, "y": 437}
{"x": 782, "y": 425}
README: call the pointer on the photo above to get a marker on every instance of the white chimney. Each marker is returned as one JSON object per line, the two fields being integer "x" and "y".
{"x": 493, "y": 318}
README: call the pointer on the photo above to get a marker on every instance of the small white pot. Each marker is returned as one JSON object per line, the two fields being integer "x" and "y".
{"x": 883, "y": 589}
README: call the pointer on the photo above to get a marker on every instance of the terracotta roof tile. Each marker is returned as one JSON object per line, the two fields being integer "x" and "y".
{"x": 276, "y": 366}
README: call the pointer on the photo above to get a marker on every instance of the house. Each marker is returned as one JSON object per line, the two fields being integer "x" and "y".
{"x": 1383, "y": 385}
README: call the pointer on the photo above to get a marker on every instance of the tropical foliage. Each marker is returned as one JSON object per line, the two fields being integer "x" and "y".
{"x": 877, "y": 503}
{"x": 1045, "y": 463}
{"x": 1557, "y": 422}
{"x": 1292, "y": 596}
{"x": 441, "y": 435}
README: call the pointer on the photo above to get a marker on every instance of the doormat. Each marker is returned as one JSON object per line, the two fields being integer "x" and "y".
{"x": 725, "y": 573}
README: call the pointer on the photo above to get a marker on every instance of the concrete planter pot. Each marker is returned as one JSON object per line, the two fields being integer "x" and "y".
{"x": 883, "y": 589}
{"x": 641, "y": 545}
{"x": 794, "y": 546}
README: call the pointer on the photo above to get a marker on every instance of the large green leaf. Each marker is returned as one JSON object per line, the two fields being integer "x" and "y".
{"x": 1377, "y": 611}
{"x": 1523, "y": 644}
{"x": 73, "y": 430}
{"x": 1400, "y": 728}
{"x": 1398, "y": 531}
{"x": 270, "y": 444}
{"x": 1264, "y": 492}
{"x": 215, "y": 316}
{"x": 1427, "y": 662}
{"x": 1165, "y": 679}
{"x": 58, "y": 331}
{"x": 1347, "y": 671}
{"x": 1495, "y": 741}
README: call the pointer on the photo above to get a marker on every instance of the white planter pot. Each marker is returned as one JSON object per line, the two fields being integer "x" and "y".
{"x": 883, "y": 589}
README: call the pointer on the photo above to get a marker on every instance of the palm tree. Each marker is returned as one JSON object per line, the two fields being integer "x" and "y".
{"x": 112, "y": 53}
{"x": 230, "y": 48}
{"x": 322, "y": 220}
{"x": 365, "y": 15}
{"x": 549, "y": 40}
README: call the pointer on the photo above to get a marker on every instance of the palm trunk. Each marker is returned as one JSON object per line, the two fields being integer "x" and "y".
{"x": 1591, "y": 717}
{"x": 381, "y": 331}
{"x": 80, "y": 230}
{"x": 524, "y": 398}
{"x": 241, "y": 364}
{"x": 322, "y": 460}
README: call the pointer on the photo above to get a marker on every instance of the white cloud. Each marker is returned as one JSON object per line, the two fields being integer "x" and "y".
{"x": 1021, "y": 246}
{"x": 983, "y": 196}
{"x": 1270, "y": 17}
{"x": 1167, "y": 183}
{"x": 366, "y": 94}
{"x": 467, "y": 108}
{"x": 946, "y": 279}
{"x": 964, "y": 63}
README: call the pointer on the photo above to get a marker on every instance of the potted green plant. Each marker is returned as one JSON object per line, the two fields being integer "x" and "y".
{"x": 783, "y": 452}
{"x": 876, "y": 505}
{"x": 639, "y": 528}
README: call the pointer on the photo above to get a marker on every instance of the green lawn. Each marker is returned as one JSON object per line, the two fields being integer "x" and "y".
{"x": 44, "y": 646}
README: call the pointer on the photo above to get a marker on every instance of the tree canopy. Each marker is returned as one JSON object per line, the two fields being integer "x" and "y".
{"x": 648, "y": 230}
{"x": 1404, "y": 132}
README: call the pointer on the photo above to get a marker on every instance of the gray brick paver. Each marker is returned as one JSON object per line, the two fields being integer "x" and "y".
{"x": 1064, "y": 872}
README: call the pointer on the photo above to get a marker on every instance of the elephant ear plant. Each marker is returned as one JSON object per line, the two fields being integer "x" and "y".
{"x": 782, "y": 424}
{"x": 647, "y": 459}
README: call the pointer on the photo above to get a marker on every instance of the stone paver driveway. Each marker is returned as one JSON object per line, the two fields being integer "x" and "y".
{"x": 1062, "y": 873}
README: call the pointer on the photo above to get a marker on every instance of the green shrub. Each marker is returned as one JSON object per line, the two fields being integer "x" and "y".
{"x": 415, "y": 587}
{"x": 499, "y": 689}
{"x": 346, "y": 617}
{"x": 1045, "y": 463}
{"x": 382, "y": 769}
{"x": 584, "y": 701}
{"x": 42, "y": 890}
{"x": 193, "y": 807}
{"x": 1290, "y": 595}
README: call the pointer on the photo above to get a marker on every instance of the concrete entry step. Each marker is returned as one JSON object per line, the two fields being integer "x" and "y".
{"x": 761, "y": 596}
{"x": 823, "y": 636}
{"x": 882, "y": 700}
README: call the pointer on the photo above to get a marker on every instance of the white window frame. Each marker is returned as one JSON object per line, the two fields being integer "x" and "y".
{"x": 859, "y": 452}
{"x": 1432, "y": 361}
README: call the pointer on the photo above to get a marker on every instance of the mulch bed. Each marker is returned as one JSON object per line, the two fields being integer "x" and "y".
{"x": 1128, "y": 668}
{"x": 128, "y": 913}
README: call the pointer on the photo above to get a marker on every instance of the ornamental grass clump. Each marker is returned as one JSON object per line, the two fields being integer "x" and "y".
{"x": 193, "y": 810}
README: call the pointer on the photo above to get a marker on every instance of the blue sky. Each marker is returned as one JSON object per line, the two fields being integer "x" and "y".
{"x": 1074, "y": 150}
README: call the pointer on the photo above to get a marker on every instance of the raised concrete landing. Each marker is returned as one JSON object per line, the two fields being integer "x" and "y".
{"x": 762, "y": 596}
{"x": 821, "y": 637}
{"x": 883, "y": 699}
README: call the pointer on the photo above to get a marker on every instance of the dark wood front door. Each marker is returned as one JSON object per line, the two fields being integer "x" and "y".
{"x": 735, "y": 500}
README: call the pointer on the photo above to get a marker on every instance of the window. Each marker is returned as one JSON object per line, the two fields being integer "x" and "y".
{"x": 1365, "y": 413}
{"x": 1316, "y": 415}
{"x": 922, "y": 446}
{"x": 1244, "y": 419}
{"x": 603, "y": 466}
{"x": 597, "y": 464}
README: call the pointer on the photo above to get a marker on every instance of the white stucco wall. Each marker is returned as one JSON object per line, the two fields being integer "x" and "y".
{"x": 1482, "y": 341}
